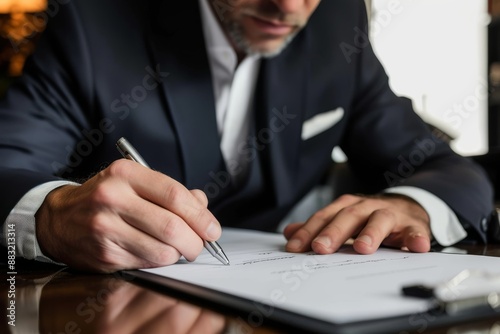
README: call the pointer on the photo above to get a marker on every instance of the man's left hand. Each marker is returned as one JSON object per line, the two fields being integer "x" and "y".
{"x": 389, "y": 219}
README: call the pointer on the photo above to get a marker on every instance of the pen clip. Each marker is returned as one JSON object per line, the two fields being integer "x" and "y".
{"x": 469, "y": 290}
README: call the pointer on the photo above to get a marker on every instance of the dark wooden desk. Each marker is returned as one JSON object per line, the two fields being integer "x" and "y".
{"x": 72, "y": 302}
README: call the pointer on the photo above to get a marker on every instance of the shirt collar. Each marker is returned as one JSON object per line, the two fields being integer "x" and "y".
{"x": 217, "y": 43}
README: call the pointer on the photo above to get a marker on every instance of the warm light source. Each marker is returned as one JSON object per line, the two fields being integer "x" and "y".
{"x": 495, "y": 7}
{"x": 8, "y": 6}
{"x": 19, "y": 27}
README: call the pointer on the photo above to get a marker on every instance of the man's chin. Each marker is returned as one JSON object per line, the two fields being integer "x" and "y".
{"x": 262, "y": 46}
{"x": 269, "y": 50}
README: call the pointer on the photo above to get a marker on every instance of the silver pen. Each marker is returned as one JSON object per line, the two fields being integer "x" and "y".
{"x": 129, "y": 152}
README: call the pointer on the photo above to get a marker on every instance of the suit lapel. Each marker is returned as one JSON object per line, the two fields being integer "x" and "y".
{"x": 178, "y": 47}
{"x": 282, "y": 101}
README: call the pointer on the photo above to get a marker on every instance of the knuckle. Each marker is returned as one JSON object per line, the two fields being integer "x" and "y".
{"x": 199, "y": 215}
{"x": 334, "y": 232}
{"x": 105, "y": 260}
{"x": 166, "y": 256}
{"x": 321, "y": 215}
{"x": 201, "y": 196}
{"x": 335, "y": 229}
{"x": 351, "y": 211}
{"x": 99, "y": 226}
{"x": 385, "y": 213}
{"x": 103, "y": 195}
{"x": 174, "y": 195}
{"x": 347, "y": 198}
{"x": 171, "y": 227}
{"x": 303, "y": 234}
{"x": 374, "y": 231}
{"x": 118, "y": 168}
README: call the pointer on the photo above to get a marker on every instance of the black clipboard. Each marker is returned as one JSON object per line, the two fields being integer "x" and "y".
{"x": 257, "y": 314}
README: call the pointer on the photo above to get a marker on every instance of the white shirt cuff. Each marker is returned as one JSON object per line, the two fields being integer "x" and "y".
{"x": 22, "y": 218}
{"x": 445, "y": 226}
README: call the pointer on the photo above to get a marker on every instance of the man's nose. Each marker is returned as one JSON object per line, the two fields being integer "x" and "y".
{"x": 289, "y": 6}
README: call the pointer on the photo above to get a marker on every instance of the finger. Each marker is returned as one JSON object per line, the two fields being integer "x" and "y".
{"x": 164, "y": 226}
{"x": 120, "y": 299}
{"x": 131, "y": 248}
{"x": 179, "y": 319}
{"x": 290, "y": 229}
{"x": 417, "y": 239}
{"x": 108, "y": 256}
{"x": 200, "y": 196}
{"x": 380, "y": 224}
{"x": 344, "y": 225}
{"x": 127, "y": 311}
{"x": 108, "y": 244}
{"x": 169, "y": 194}
{"x": 161, "y": 320}
{"x": 301, "y": 240}
{"x": 129, "y": 219}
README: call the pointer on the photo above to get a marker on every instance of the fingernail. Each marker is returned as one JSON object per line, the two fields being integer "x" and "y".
{"x": 213, "y": 231}
{"x": 415, "y": 234}
{"x": 295, "y": 244}
{"x": 323, "y": 241}
{"x": 365, "y": 239}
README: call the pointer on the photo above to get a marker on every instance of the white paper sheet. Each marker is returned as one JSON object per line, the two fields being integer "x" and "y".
{"x": 343, "y": 287}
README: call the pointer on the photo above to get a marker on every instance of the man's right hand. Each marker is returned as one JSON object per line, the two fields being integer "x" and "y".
{"x": 126, "y": 217}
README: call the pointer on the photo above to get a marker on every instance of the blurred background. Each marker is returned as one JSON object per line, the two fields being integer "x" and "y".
{"x": 21, "y": 22}
{"x": 443, "y": 54}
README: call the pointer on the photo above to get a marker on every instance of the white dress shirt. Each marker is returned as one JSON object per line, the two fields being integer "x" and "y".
{"x": 234, "y": 88}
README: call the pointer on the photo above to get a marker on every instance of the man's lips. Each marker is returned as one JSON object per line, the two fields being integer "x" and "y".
{"x": 271, "y": 27}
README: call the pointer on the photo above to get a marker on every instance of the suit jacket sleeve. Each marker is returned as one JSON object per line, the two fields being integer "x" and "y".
{"x": 389, "y": 145}
{"x": 43, "y": 113}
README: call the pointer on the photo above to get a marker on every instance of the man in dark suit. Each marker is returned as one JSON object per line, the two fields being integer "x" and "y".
{"x": 238, "y": 103}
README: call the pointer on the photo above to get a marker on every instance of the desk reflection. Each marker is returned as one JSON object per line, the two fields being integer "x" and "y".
{"x": 52, "y": 300}
{"x": 132, "y": 309}
{"x": 121, "y": 307}
{"x": 69, "y": 303}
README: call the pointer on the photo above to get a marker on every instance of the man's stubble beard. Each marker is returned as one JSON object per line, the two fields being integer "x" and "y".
{"x": 235, "y": 32}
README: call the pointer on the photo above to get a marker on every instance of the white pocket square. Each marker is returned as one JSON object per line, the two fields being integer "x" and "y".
{"x": 321, "y": 122}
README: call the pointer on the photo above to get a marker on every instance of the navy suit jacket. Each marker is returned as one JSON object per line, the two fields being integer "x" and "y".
{"x": 139, "y": 69}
